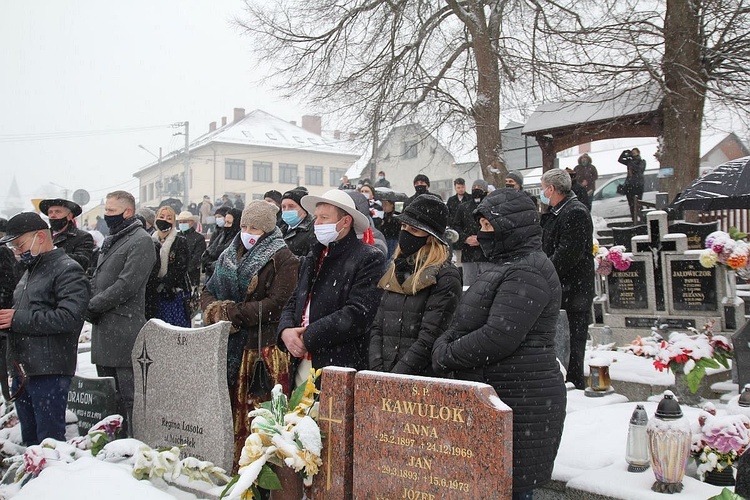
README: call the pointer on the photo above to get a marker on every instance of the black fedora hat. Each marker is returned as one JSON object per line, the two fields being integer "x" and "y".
{"x": 23, "y": 223}
{"x": 59, "y": 202}
{"x": 428, "y": 213}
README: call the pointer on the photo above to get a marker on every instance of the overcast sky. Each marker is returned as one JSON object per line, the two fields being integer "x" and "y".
{"x": 111, "y": 76}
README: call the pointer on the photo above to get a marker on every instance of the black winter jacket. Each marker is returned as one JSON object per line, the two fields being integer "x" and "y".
{"x": 10, "y": 273}
{"x": 196, "y": 246}
{"x": 406, "y": 326}
{"x": 78, "y": 244}
{"x": 300, "y": 238}
{"x": 466, "y": 225}
{"x": 219, "y": 241}
{"x": 345, "y": 297}
{"x": 568, "y": 242}
{"x": 176, "y": 277}
{"x": 503, "y": 335}
{"x": 50, "y": 301}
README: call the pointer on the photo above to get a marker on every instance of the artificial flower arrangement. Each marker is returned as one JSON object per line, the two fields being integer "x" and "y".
{"x": 728, "y": 249}
{"x": 101, "y": 443}
{"x": 690, "y": 354}
{"x": 719, "y": 440}
{"x": 605, "y": 260}
{"x": 284, "y": 433}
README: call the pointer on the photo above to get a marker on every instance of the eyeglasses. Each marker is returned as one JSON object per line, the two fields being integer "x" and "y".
{"x": 15, "y": 246}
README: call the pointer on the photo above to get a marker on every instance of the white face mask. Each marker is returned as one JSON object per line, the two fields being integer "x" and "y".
{"x": 327, "y": 233}
{"x": 249, "y": 240}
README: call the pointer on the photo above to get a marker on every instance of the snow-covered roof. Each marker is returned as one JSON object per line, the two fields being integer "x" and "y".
{"x": 595, "y": 108}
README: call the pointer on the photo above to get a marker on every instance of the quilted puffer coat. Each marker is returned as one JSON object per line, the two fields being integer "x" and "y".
{"x": 503, "y": 335}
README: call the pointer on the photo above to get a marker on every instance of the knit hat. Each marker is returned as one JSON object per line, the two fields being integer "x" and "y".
{"x": 295, "y": 195}
{"x": 481, "y": 183}
{"x": 428, "y": 213}
{"x": 274, "y": 195}
{"x": 423, "y": 178}
{"x": 516, "y": 177}
{"x": 260, "y": 214}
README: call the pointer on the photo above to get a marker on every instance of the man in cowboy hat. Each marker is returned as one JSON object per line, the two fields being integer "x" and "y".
{"x": 78, "y": 244}
{"x": 42, "y": 328}
{"x": 325, "y": 321}
{"x": 196, "y": 245}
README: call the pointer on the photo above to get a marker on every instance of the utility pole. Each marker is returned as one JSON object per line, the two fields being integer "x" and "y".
{"x": 186, "y": 162}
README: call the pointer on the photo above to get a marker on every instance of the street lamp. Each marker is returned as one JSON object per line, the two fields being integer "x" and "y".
{"x": 161, "y": 179}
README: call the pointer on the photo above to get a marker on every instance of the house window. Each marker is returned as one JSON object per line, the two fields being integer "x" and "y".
{"x": 262, "y": 171}
{"x": 409, "y": 149}
{"x": 234, "y": 169}
{"x": 335, "y": 175}
{"x": 287, "y": 173}
{"x": 313, "y": 175}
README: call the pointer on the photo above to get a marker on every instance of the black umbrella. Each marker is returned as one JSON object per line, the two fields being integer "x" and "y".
{"x": 382, "y": 193}
{"x": 725, "y": 187}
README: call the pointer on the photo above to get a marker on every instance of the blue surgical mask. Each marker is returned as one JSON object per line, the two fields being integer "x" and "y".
{"x": 291, "y": 217}
{"x": 184, "y": 226}
{"x": 220, "y": 221}
{"x": 543, "y": 198}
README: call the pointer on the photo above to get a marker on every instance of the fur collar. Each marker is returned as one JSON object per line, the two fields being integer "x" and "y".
{"x": 166, "y": 246}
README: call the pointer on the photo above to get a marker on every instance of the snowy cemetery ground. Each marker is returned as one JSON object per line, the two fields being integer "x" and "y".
{"x": 590, "y": 463}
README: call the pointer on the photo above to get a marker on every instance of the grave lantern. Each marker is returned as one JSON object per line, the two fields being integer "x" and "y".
{"x": 598, "y": 382}
{"x": 636, "y": 452}
{"x": 669, "y": 439}
{"x": 744, "y": 400}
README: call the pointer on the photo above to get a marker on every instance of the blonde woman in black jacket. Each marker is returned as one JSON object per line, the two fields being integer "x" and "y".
{"x": 422, "y": 290}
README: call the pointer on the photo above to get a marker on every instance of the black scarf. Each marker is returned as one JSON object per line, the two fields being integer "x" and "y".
{"x": 118, "y": 232}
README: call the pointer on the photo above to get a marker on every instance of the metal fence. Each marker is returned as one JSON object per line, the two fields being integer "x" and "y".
{"x": 738, "y": 217}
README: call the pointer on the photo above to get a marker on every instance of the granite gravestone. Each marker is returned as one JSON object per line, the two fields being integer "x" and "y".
{"x": 429, "y": 438}
{"x": 741, "y": 344}
{"x": 181, "y": 393}
{"x": 624, "y": 235}
{"x": 92, "y": 399}
{"x": 628, "y": 289}
{"x": 696, "y": 233}
{"x": 693, "y": 287}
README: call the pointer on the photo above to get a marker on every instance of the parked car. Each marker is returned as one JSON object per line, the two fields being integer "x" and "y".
{"x": 610, "y": 204}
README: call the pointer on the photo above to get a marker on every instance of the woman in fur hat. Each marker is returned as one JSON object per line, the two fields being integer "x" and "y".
{"x": 252, "y": 281}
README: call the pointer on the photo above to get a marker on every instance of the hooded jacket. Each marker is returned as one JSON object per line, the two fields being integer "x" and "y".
{"x": 503, "y": 334}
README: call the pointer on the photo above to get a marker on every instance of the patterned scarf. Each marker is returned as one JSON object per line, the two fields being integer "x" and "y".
{"x": 233, "y": 274}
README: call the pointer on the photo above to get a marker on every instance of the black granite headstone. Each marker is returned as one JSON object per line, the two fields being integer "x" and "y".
{"x": 693, "y": 286}
{"x": 696, "y": 232}
{"x": 742, "y": 484}
{"x": 628, "y": 289}
{"x": 741, "y": 344}
{"x": 623, "y": 235}
{"x": 91, "y": 399}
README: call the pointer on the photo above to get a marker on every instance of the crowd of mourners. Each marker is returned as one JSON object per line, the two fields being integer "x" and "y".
{"x": 309, "y": 281}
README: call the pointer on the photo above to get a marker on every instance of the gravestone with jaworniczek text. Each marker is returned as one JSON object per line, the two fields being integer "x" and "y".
{"x": 414, "y": 438}
{"x": 181, "y": 393}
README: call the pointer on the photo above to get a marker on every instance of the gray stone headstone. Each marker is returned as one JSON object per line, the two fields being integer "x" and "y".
{"x": 91, "y": 399}
{"x": 742, "y": 485}
{"x": 562, "y": 339}
{"x": 181, "y": 394}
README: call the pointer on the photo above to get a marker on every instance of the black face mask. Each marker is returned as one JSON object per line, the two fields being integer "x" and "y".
{"x": 478, "y": 193}
{"x": 410, "y": 244}
{"x": 163, "y": 225}
{"x": 486, "y": 240}
{"x": 420, "y": 189}
{"x": 113, "y": 220}
{"x": 57, "y": 225}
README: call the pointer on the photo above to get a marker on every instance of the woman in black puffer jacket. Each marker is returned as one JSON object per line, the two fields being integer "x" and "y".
{"x": 503, "y": 334}
{"x": 422, "y": 289}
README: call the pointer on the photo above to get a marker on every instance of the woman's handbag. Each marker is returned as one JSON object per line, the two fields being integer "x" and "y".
{"x": 261, "y": 383}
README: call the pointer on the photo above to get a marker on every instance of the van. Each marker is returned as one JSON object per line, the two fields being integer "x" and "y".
{"x": 610, "y": 204}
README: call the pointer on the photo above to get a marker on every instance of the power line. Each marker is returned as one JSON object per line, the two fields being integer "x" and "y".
{"x": 44, "y": 136}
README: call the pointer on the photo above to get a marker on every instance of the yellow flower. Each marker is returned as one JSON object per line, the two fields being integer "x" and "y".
{"x": 312, "y": 462}
{"x": 253, "y": 449}
{"x": 308, "y": 397}
{"x": 708, "y": 258}
{"x": 595, "y": 247}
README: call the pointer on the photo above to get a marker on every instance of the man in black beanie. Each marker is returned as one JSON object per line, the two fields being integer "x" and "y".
{"x": 296, "y": 224}
{"x": 421, "y": 186}
{"x": 274, "y": 197}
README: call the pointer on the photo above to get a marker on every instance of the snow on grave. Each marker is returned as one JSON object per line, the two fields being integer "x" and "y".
{"x": 181, "y": 394}
{"x": 420, "y": 437}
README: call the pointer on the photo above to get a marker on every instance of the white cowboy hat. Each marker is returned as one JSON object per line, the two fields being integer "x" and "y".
{"x": 340, "y": 199}
{"x": 185, "y": 215}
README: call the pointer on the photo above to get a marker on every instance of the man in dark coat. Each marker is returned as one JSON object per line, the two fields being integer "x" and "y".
{"x": 457, "y": 199}
{"x": 467, "y": 227}
{"x": 296, "y": 223}
{"x": 421, "y": 186}
{"x": 78, "y": 244}
{"x": 43, "y": 328}
{"x": 568, "y": 242}
{"x": 578, "y": 189}
{"x": 325, "y": 321}
{"x": 117, "y": 306}
{"x": 196, "y": 245}
{"x": 503, "y": 334}
{"x": 634, "y": 180}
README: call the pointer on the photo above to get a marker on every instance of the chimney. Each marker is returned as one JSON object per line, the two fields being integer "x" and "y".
{"x": 337, "y": 134}
{"x": 212, "y": 126}
{"x": 223, "y": 120}
{"x": 293, "y": 122}
{"x": 311, "y": 123}
{"x": 239, "y": 114}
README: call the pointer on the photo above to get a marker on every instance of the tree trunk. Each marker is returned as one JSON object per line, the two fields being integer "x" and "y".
{"x": 685, "y": 94}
